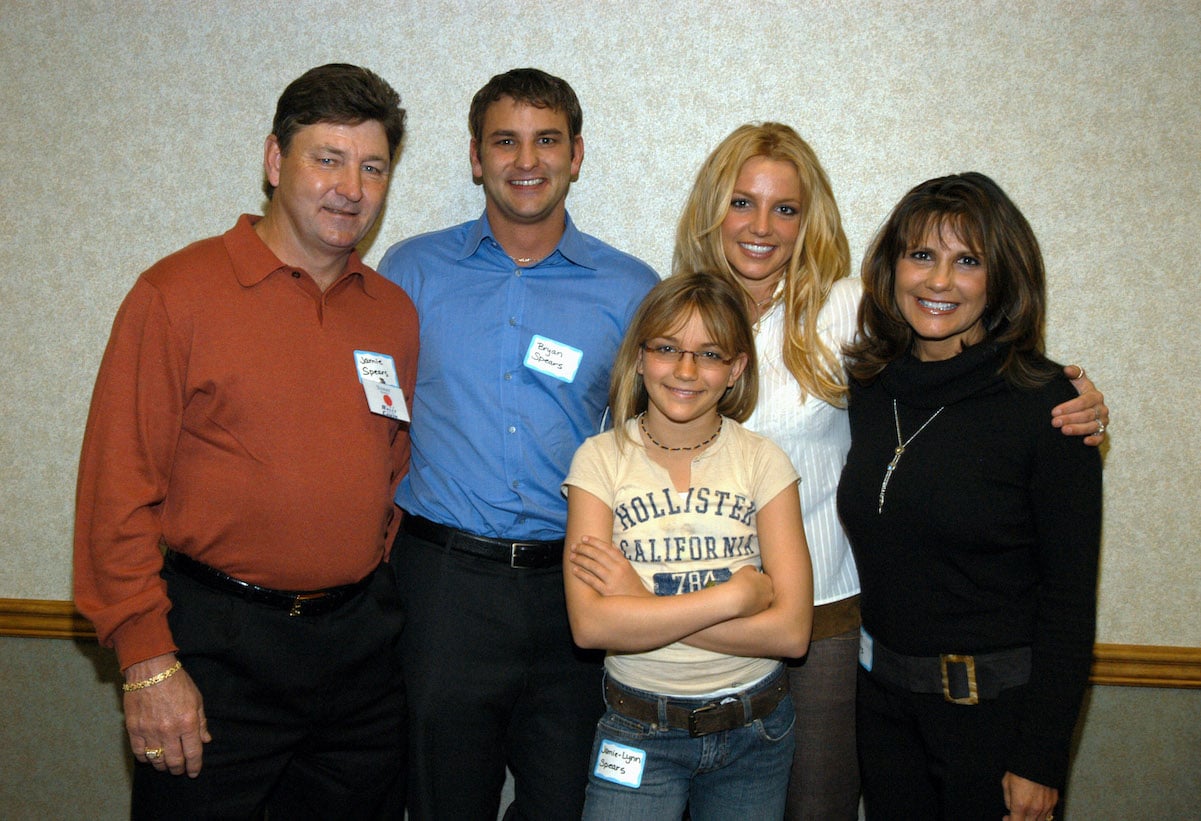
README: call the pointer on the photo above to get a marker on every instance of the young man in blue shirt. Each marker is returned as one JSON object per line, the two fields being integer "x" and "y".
{"x": 521, "y": 315}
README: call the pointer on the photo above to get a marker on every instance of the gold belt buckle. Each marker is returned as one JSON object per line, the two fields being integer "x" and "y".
{"x": 973, "y": 696}
{"x": 301, "y": 598}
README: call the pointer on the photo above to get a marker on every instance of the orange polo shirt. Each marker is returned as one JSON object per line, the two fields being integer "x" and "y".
{"x": 229, "y": 422}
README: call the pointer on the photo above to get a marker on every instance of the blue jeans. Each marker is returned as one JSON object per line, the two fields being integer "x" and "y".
{"x": 740, "y": 773}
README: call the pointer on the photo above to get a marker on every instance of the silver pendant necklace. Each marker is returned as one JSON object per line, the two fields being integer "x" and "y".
{"x": 901, "y": 445}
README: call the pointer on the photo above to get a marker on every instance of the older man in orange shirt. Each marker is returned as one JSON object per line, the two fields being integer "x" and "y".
{"x": 246, "y": 435}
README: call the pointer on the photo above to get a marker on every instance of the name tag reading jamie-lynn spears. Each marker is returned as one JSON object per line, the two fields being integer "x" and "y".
{"x": 553, "y": 358}
{"x": 377, "y": 373}
{"x": 620, "y": 764}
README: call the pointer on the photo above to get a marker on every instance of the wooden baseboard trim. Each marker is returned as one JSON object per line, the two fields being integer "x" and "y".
{"x": 1144, "y": 665}
{"x": 43, "y": 619}
{"x": 1128, "y": 665}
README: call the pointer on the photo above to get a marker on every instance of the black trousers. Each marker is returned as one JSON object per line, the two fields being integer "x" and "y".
{"x": 922, "y": 757}
{"x": 493, "y": 679}
{"x": 306, "y": 712}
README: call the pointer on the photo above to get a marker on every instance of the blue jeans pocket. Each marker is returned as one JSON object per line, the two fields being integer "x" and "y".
{"x": 777, "y": 725}
{"x": 615, "y": 724}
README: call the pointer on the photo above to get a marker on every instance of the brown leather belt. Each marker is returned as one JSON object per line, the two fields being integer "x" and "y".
{"x": 296, "y": 602}
{"x": 835, "y": 618}
{"x": 697, "y": 717}
{"x": 516, "y": 554}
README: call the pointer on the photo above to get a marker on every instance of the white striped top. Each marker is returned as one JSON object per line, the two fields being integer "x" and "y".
{"x": 815, "y": 435}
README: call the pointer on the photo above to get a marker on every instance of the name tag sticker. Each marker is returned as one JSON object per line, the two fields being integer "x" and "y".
{"x": 620, "y": 764}
{"x": 552, "y": 358}
{"x": 386, "y": 400}
{"x": 376, "y": 367}
{"x": 865, "y": 650}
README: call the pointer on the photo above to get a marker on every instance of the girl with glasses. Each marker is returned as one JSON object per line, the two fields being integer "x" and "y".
{"x": 687, "y": 562}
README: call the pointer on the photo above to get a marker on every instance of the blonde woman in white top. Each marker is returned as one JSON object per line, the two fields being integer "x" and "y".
{"x": 762, "y": 213}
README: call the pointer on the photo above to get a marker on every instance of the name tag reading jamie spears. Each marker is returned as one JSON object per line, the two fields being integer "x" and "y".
{"x": 552, "y": 358}
{"x": 377, "y": 373}
{"x": 376, "y": 367}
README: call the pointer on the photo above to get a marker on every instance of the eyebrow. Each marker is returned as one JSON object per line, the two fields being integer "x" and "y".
{"x": 751, "y": 195}
{"x": 543, "y": 132}
{"x": 326, "y": 148}
{"x": 675, "y": 340}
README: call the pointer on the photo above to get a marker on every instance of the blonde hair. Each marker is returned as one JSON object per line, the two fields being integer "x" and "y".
{"x": 821, "y": 257}
{"x": 720, "y": 306}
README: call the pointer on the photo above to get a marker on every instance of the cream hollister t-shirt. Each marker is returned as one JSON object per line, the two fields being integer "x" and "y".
{"x": 680, "y": 542}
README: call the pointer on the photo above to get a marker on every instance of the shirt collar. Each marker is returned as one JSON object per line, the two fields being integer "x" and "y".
{"x": 572, "y": 245}
{"x": 253, "y": 261}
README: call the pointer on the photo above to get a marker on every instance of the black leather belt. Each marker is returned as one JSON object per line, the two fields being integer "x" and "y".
{"x": 960, "y": 678}
{"x": 726, "y": 713}
{"x": 527, "y": 555}
{"x": 296, "y": 602}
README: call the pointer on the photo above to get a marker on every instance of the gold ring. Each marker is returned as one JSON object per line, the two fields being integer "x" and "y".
{"x": 152, "y": 755}
{"x": 1081, "y": 376}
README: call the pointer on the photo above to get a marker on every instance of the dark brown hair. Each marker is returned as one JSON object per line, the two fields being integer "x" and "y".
{"x": 530, "y": 86}
{"x": 982, "y": 216}
{"x": 337, "y": 93}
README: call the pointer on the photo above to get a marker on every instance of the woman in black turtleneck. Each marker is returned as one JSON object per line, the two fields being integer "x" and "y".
{"x": 975, "y": 526}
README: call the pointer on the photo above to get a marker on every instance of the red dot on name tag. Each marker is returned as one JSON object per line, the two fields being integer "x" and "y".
{"x": 387, "y": 400}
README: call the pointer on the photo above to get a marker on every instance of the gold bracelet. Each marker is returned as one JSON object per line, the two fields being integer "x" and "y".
{"x": 163, "y": 676}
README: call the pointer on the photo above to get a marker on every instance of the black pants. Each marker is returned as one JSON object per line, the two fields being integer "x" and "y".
{"x": 493, "y": 679}
{"x": 306, "y": 712}
{"x": 922, "y": 757}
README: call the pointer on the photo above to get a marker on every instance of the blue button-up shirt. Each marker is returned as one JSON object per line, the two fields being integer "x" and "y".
{"x": 492, "y": 438}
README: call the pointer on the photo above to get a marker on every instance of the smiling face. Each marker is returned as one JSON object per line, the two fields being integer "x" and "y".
{"x": 329, "y": 189}
{"x": 682, "y": 394}
{"x": 941, "y": 289}
{"x": 526, "y": 161}
{"x": 759, "y": 232}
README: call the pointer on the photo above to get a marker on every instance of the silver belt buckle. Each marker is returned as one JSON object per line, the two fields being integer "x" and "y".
{"x": 513, "y": 550}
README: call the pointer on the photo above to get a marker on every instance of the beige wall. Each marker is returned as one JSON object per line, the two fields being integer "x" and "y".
{"x": 132, "y": 128}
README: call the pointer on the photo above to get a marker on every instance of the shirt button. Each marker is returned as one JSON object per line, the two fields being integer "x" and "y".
{"x": 296, "y": 275}
{"x": 513, "y": 321}
{"x": 517, "y": 272}
{"x": 512, "y": 429}
{"x": 508, "y": 377}
{"x": 516, "y": 484}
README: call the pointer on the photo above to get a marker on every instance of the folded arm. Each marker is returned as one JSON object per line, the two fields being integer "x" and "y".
{"x": 627, "y": 620}
{"x": 782, "y": 630}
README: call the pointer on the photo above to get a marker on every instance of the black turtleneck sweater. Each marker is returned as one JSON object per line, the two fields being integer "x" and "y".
{"x": 989, "y": 535}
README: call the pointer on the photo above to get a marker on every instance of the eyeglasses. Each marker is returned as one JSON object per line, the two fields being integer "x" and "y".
{"x": 670, "y": 354}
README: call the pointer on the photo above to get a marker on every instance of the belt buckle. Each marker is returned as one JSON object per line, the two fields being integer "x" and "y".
{"x": 698, "y": 715}
{"x": 969, "y": 662}
{"x": 300, "y": 599}
{"x": 514, "y": 549}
